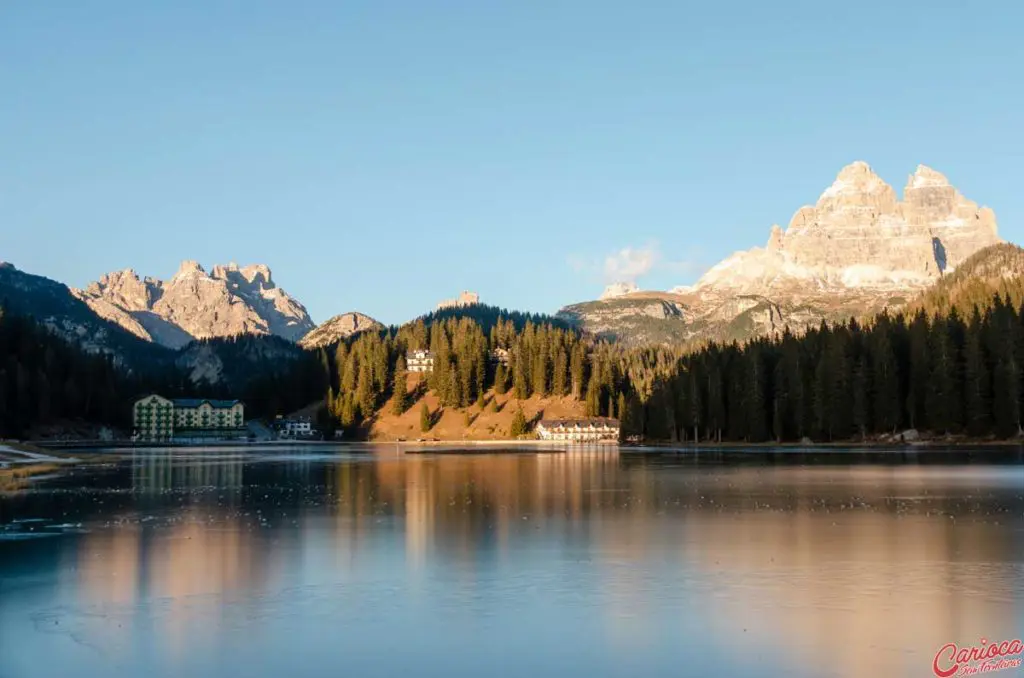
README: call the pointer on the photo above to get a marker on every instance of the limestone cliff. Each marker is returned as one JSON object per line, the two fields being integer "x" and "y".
{"x": 860, "y": 236}
{"x": 857, "y": 250}
{"x": 196, "y": 305}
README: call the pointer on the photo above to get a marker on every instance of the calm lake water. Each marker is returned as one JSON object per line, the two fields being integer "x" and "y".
{"x": 338, "y": 562}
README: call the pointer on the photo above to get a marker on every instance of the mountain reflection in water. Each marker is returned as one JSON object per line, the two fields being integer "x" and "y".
{"x": 602, "y": 562}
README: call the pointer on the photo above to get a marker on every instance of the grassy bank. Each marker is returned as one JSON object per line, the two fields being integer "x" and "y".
{"x": 17, "y": 477}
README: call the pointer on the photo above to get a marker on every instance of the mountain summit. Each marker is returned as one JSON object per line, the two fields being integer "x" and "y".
{"x": 860, "y": 236}
{"x": 856, "y": 250}
{"x": 195, "y": 304}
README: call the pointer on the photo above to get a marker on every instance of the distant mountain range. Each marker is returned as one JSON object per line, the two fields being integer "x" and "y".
{"x": 53, "y": 305}
{"x": 148, "y": 324}
{"x": 195, "y": 304}
{"x": 856, "y": 251}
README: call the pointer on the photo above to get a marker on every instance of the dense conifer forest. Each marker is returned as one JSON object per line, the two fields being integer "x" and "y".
{"x": 939, "y": 370}
{"x": 946, "y": 374}
{"x": 44, "y": 379}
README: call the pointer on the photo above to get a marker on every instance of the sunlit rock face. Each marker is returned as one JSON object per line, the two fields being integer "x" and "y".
{"x": 860, "y": 236}
{"x": 194, "y": 304}
{"x": 857, "y": 250}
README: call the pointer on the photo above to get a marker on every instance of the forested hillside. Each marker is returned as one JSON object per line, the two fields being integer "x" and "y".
{"x": 845, "y": 382}
{"x": 45, "y": 379}
{"x": 944, "y": 374}
{"x": 545, "y": 359}
{"x": 995, "y": 270}
{"x": 952, "y": 372}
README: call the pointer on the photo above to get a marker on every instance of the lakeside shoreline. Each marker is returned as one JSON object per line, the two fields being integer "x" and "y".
{"x": 53, "y": 447}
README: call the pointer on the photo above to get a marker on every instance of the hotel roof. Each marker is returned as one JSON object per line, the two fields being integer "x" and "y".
{"x": 587, "y": 421}
{"x": 196, "y": 402}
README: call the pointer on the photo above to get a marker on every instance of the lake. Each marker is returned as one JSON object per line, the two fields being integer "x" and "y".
{"x": 364, "y": 561}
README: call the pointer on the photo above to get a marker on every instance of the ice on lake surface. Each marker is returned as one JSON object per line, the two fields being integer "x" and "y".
{"x": 367, "y": 561}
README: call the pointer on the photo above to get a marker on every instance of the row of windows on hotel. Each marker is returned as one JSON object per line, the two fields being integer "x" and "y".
{"x": 157, "y": 418}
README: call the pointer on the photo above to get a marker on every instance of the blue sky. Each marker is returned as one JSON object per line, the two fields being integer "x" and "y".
{"x": 381, "y": 156}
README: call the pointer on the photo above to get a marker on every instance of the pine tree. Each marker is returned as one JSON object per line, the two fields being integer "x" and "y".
{"x": 400, "y": 397}
{"x": 757, "y": 386}
{"x": 941, "y": 403}
{"x": 715, "y": 398}
{"x": 919, "y": 370}
{"x": 539, "y": 379}
{"x": 593, "y": 400}
{"x": 884, "y": 380}
{"x": 560, "y": 376}
{"x": 519, "y": 426}
{"x": 1005, "y": 383}
{"x": 577, "y": 370}
{"x": 500, "y": 379}
{"x": 426, "y": 421}
{"x": 860, "y": 397}
{"x": 977, "y": 386}
{"x": 697, "y": 401}
{"x": 1005, "y": 373}
{"x": 520, "y": 387}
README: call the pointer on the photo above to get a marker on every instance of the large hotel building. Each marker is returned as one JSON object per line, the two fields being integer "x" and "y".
{"x": 156, "y": 418}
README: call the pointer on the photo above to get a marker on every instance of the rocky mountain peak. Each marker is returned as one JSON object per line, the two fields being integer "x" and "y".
{"x": 337, "y": 328}
{"x": 859, "y": 248}
{"x": 858, "y": 172}
{"x": 222, "y": 271}
{"x": 465, "y": 298}
{"x": 194, "y": 305}
{"x": 189, "y": 267}
{"x": 619, "y": 289}
{"x": 258, "y": 273}
{"x": 926, "y": 177}
{"x": 858, "y": 187}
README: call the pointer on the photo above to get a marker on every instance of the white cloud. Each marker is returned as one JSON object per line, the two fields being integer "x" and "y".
{"x": 629, "y": 263}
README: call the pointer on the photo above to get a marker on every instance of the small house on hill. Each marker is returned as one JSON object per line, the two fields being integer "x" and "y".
{"x": 419, "y": 360}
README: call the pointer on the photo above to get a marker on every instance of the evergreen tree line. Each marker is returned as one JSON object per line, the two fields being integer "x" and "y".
{"x": 488, "y": 316}
{"x": 44, "y": 379}
{"x": 943, "y": 374}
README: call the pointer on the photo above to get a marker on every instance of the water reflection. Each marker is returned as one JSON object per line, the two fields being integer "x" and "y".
{"x": 155, "y": 471}
{"x": 604, "y": 562}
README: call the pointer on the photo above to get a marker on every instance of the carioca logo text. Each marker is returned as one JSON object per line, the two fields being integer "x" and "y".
{"x": 950, "y": 659}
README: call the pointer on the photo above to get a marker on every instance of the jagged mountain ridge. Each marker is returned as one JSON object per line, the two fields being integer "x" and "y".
{"x": 53, "y": 305}
{"x": 194, "y": 304}
{"x": 856, "y": 251}
{"x": 859, "y": 236}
